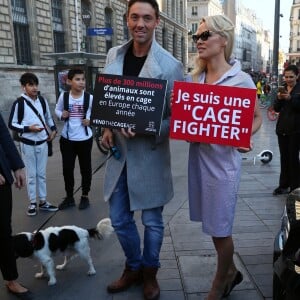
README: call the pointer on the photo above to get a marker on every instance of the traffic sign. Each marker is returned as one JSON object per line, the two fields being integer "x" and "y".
{"x": 86, "y": 18}
{"x": 100, "y": 31}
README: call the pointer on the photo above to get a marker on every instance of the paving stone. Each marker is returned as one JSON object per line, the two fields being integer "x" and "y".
{"x": 257, "y": 259}
{"x": 170, "y": 284}
{"x": 198, "y": 272}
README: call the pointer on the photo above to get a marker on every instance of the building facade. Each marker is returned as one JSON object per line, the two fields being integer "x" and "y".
{"x": 253, "y": 43}
{"x": 47, "y": 37}
{"x": 294, "y": 49}
{"x": 195, "y": 10}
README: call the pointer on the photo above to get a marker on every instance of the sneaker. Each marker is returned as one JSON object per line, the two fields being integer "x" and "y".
{"x": 31, "y": 209}
{"x": 67, "y": 202}
{"x": 47, "y": 206}
{"x": 84, "y": 203}
{"x": 280, "y": 191}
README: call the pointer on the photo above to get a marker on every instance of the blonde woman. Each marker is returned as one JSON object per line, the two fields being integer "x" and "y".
{"x": 214, "y": 170}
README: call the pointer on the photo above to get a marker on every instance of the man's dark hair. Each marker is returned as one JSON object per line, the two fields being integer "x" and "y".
{"x": 74, "y": 72}
{"x": 153, "y": 3}
{"x": 292, "y": 68}
{"x": 29, "y": 78}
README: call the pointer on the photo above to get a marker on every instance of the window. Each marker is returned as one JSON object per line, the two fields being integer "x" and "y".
{"x": 59, "y": 42}
{"x": 194, "y": 27}
{"x": 21, "y": 32}
{"x": 173, "y": 10}
{"x": 125, "y": 28}
{"x": 298, "y": 46}
{"x": 183, "y": 49}
{"x": 164, "y": 38}
{"x": 181, "y": 12}
{"x": 108, "y": 24}
{"x": 86, "y": 39}
{"x": 194, "y": 48}
{"x": 57, "y": 11}
{"x": 194, "y": 10}
{"x": 246, "y": 55}
{"x": 174, "y": 44}
{"x": 57, "y": 25}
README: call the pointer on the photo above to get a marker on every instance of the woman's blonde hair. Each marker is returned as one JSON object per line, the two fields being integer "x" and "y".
{"x": 224, "y": 27}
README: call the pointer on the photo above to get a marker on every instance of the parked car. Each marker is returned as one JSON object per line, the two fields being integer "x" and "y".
{"x": 286, "y": 255}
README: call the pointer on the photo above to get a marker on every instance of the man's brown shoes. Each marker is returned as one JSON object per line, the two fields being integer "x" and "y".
{"x": 128, "y": 278}
{"x": 147, "y": 275}
{"x": 151, "y": 287}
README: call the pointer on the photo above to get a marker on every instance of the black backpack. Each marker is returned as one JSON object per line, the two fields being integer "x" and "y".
{"x": 20, "y": 101}
{"x": 21, "y": 107}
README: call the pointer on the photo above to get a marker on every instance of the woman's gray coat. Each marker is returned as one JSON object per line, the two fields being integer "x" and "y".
{"x": 147, "y": 157}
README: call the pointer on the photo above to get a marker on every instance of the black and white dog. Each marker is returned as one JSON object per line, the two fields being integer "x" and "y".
{"x": 69, "y": 240}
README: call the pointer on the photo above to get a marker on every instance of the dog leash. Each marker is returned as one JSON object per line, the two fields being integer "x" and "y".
{"x": 113, "y": 152}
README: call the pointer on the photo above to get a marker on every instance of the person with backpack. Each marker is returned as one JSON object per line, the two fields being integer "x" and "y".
{"x": 74, "y": 108}
{"x": 30, "y": 116}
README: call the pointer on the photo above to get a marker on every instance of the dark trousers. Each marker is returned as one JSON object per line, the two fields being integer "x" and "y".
{"x": 289, "y": 146}
{"x": 69, "y": 151}
{"x": 8, "y": 265}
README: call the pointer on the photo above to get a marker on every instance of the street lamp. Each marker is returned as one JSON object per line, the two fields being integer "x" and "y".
{"x": 86, "y": 18}
{"x": 277, "y": 16}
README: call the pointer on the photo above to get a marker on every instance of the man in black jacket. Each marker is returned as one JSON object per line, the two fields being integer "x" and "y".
{"x": 10, "y": 160}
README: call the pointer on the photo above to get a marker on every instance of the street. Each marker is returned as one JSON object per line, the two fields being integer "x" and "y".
{"x": 187, "y": 257}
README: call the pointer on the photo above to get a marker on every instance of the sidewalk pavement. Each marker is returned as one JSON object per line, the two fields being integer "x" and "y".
{"x": 187, "y": 257}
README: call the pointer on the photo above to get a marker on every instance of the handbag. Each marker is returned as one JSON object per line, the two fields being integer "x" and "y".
{"x": 50, "y": 148}
{"x": 15, "y": 136}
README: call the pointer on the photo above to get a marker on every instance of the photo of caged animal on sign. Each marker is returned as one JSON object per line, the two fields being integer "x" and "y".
{"x": 70, "y": 241}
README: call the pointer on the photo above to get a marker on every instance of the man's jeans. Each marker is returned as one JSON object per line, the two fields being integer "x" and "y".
{"x": 126, "y": 230}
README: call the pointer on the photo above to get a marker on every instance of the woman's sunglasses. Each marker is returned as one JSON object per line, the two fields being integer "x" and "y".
{"x": 203, "y": 36}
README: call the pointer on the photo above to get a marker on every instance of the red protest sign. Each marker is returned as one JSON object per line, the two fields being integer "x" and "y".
{"x": 212, "y": 114}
